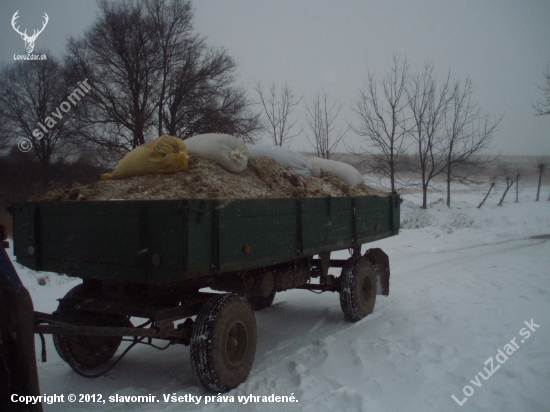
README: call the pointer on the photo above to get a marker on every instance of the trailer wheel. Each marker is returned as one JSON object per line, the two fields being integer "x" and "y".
{"x": 357, "y": 288}
{"x": 86, "y": 352}
{"x": 261, "y": 302}
{"x": 223, "y": 343}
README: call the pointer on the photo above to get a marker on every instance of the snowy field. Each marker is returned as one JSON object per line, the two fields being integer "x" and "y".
{"x": 463, "y": 282}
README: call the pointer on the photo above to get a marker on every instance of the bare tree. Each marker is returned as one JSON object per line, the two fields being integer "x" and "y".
{"x": 541, "y": 163}
{"x": 278, "y": 107}
{"x": 171, "y": 27}
{"x": 383, "y": 119}
{"x": 468, "y": 132}
{"x": 30, "y": 95}
{"x": 196, "y": 87}
{"x": 507, "y": 175}
{"x": 543, "y": 108}
{"x": 6, "y": 139}
{"x": 119, "y": 57}
{"x": 487, "y": 195}
{"x": 321, "y": 118}
{"x": 153, "y": 75}
{"x": 428, "y": 104}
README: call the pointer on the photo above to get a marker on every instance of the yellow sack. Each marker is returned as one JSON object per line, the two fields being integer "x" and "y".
{"x": 165, "y": 154}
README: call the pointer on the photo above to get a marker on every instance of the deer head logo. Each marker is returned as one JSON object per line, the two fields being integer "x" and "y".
{"x": 29, "y": 40}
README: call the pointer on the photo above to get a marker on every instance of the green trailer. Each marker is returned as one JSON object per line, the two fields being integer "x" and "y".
{"x": 167, "y": 260}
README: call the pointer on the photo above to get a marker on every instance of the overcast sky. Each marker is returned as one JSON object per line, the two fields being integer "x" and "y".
{"x": 503, "y": 45}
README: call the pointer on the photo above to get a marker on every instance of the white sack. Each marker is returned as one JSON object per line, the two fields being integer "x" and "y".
{"x": 344, "y": 171}
{"x": 298, "y": 162}
{"x": 230, "y": 152}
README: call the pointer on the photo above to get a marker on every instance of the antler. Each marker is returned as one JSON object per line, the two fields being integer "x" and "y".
{"x": 15, "y": 17}
{"x": 36, "y": 33}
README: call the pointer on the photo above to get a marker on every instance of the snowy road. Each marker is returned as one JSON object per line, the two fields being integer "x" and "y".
{"x": 463, "y": 283}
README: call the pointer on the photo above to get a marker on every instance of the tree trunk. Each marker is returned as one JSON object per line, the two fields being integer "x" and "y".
{"x": 424, "y": 196}
{"x": 487, "y": 195}
{"x": 517, "y": 189}
{"x": 139, "y": 137}
{"x": 449, "y": 185}
{"x": 392, "y": 169}
{"x": 424, "y": 182}
{"x": 538, "y": 188}
{"x": 508, "y": 186}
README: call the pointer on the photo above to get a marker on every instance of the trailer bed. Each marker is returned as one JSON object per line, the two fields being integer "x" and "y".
{"x": 166, "y": 241}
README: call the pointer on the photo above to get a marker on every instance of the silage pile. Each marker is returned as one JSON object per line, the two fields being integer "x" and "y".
{"x": 205, "y": 179}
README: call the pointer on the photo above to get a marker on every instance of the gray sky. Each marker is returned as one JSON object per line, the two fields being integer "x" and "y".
{"x": 503, "y": 45}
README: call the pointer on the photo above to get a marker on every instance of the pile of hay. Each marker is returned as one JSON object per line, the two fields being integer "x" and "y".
{"x": 205, "y": 179}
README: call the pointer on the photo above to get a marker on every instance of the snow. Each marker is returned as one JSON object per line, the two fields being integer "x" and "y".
{"x": 463, "y": 282}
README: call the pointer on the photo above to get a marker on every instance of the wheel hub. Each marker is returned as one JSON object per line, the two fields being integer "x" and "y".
{"x": 236, "y": 343}
{"x": 366, "y": 289}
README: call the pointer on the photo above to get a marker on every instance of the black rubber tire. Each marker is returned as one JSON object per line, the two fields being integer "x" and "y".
{"x": 76, "y": 291}
{"x": 223, "y": 344}
{"x": 261, "y": 302}
{"x": 86, "y": 352}
{"x": 358, "y": 284}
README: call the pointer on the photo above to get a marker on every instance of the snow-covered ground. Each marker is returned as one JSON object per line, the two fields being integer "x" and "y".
{"x": 463, "y": 282}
